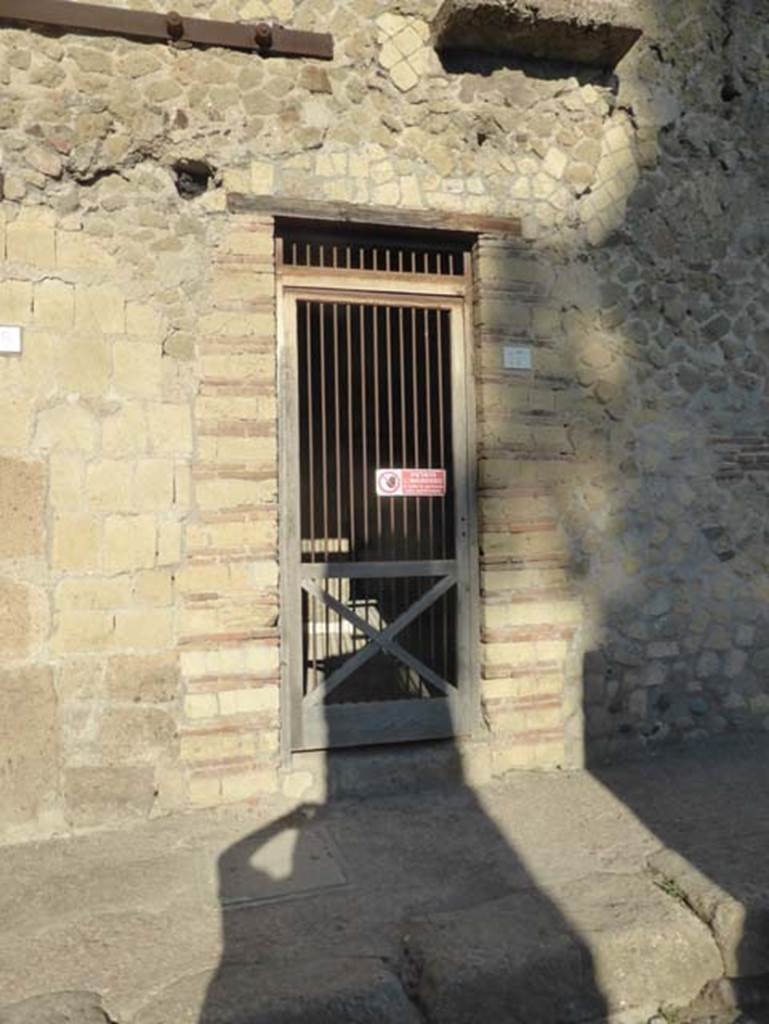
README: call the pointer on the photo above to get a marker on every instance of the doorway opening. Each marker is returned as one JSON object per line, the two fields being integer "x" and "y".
{"x": 377, "y": 482}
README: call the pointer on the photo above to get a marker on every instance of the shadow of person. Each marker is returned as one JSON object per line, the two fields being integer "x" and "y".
{"x": 396, "y": 899}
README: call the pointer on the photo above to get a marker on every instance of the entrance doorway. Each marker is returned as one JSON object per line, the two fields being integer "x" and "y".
{"x": 376, "y": 486}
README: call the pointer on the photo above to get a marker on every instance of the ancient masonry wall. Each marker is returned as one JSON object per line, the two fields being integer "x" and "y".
{"x": 622, "y": 481}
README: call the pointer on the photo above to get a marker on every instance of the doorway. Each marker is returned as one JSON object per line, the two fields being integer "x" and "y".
{"x": 378, "y": 580}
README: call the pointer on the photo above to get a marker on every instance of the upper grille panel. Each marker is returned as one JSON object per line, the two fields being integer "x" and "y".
{"x": 383, "y": 256}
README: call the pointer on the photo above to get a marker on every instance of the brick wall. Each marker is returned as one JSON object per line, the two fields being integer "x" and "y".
{"x": 530, "y": 611}
{"x": 228, "y": 585}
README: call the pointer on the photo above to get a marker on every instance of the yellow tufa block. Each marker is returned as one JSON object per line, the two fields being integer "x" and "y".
{"x": 54, "y": 304}
{"x": 31, "y": 239}
{"x": 129, "y": 542}
{"x": 76, "y": 542}
{"x": 170, "y": 428}
{"x": 100, "y": 308}
{"x": 140, "y": 628}
{"x": 16, "y": 302}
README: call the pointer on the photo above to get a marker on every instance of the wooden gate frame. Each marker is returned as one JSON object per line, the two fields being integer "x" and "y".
{"x": 376, "y": 287}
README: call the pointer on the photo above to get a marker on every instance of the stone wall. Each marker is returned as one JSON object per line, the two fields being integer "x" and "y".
{"x": 623, "y": 482}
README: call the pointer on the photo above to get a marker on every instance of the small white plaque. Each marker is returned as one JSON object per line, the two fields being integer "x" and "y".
{"x": 516, "y": 357}
{"x": 10, "y": 340}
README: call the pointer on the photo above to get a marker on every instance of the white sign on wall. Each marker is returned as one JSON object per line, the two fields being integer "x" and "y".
{"x": 516, "y": 357}
{"x": 10, "y": 339}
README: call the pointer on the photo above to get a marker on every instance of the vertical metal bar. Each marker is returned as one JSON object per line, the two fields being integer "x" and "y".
{"x": 403, "y": 442}
{"x": 324, "y": 451}
{"x": 442, "y": 460}
{"x": 429, "y": 418}
{"x": 404, "y": 436}
{"x": 337, "y": 466}
{"x": 363, "y": 430}
{"x": 391, "y": 426}
{"x": 364, "y": 475}
{"x": 350, "y": 430}
{"x": 311, "y": 605}
{"x": 417, "y": 502}
{"x": 375, "y": 340}
{"x": 415, "y": 424}
{"x": 429, "y": 432}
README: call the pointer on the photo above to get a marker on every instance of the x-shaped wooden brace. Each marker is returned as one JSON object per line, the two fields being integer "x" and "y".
{"x": 379, "y": 639}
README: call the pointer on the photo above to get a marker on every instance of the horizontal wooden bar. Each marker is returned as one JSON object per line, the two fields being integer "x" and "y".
{"x": 372, "y": 570}
{"x": 349, "y": 725}
{"x": 322, "y": 277}
{"x": 375, "y": 293}
{"x": 312, "y": 211}
{"x": 267, "y": 40}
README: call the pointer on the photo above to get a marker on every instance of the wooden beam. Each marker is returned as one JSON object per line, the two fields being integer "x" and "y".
{"x": 313, "y": 211}
{"x": 393, "y": 721}
{"x": 266, "y": 40}
{"x": 375, "y": 570}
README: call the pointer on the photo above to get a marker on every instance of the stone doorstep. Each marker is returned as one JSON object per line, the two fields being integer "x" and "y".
{"x": 739, "y": 918}
{"x": 509, "y": 959}
{"x": 632, "y": 951}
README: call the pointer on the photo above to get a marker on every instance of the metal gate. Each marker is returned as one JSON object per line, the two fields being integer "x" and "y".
{"x": 375, "y": 486}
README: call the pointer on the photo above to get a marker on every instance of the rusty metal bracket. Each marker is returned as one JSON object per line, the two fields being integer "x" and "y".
{"x": 264, "y": 39}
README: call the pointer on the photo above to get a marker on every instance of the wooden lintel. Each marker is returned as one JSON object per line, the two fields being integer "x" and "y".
{"x": 310, "y": 210}
{"x": 265, "y": 39}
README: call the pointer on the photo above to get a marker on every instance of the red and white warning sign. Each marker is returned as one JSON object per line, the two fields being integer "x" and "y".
{"x": 411, "y": 483}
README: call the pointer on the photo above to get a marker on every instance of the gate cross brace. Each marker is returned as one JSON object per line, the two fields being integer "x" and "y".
{"x": 266, "y": 40}
{"x": 379, "y": 639}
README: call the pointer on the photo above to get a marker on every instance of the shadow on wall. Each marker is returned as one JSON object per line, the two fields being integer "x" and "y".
{"x": 671, "y": 529}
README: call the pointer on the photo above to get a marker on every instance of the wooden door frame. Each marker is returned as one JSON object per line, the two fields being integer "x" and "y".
{"x": 378, "y": 288}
